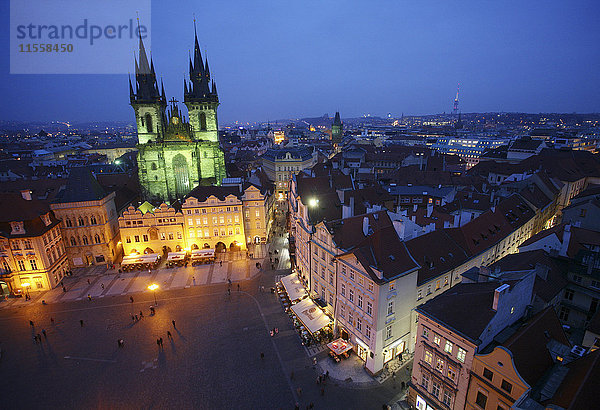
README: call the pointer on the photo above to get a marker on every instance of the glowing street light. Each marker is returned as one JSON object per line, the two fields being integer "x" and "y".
{"x": 313, "y": 202}
{"x": 153, "y": 288}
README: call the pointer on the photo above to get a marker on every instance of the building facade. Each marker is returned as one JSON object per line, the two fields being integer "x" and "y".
{"x": 152, "y": 230}
{"x": 32, "y": 253}
{"x": 281, "y": 164}
{"x": 175, "y": 154}
{"x": 89, "y": 220}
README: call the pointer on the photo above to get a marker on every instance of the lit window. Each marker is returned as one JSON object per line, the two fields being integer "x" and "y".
{"x": 461, "y": 355}
{"x": 428, "y": 357}
{"x": 437, "y": 340}
{"x": 448, "y": 347}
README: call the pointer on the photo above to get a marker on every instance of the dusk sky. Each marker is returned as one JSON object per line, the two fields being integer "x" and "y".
{"x": 279, "y": 59}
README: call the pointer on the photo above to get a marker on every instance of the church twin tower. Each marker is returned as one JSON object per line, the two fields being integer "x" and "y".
{"x": 175, "y": 155}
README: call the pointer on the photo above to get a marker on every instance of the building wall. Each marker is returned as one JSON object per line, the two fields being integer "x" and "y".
{"x": 153, "y": 232}
{"x": 256, "y": 207}
{"x": 90, "y": 229}
{"x": 489, "y": 384}
{"x": 223, "y": 220}
{"x": 40, "y": 260}
{"x": 449, "y": 368}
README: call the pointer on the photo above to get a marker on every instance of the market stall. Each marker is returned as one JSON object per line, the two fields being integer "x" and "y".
{"x": 200, "y": 256}
{"x": 176, "y": 259}
{"x": 310, "y": 315}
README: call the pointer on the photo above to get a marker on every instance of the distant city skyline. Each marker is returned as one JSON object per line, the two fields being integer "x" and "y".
{"x": 273, "y": 61}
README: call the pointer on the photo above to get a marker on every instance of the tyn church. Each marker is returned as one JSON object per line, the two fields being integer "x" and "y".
{"x": 174, "y": 154}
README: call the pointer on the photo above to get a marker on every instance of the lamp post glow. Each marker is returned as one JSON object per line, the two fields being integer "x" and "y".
{"x": 153, "y": 288}
{"x": 26, "y": 285}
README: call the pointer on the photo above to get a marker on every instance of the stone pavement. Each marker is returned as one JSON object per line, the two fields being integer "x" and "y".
{"x": 99, "y": 282}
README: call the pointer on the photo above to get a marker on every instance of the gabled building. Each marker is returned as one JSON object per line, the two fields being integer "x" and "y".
{"x": 89, "y": 220}
{"x": 32, "y": 252}
{"x": 454, "y": 327}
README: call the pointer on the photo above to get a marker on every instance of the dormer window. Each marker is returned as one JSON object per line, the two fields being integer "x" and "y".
{"x": 46, "y": 219}
{"x": 17, "y": 228}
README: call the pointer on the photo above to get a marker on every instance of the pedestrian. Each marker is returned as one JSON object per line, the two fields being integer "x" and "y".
{"x": 169, "y": 335}
{"x": 319, "y": 380}
{"x": 262, "y": 355}
{"x": 238, "y": 287}
{"x": 220, "y": 263}
{"x": 136, "y": 318}
{"x": 158, "y": 343}
{"x": 161, "y": 342}
{"x": 132, "y": 318}
{"x": 172, "y": 321}
{"x": 81, "y": 322}
{"x": 39, "y": 337}
{"x": 35, "y": 339}
{"x": 327, "y": 374}
{"x": 141, "y": 314}
{"x": 228, "y": 291}
{"x": 120, "y": 342}
{"x": 44, "y": 333}
{"x": 31, "y": 323}
{"x": 102, "y": 286}
{"x": 402, "y": 385}
{"x": 89, "y": 297}
{"x": 88, "y": 281}
{"x": 131, "y": 298}
{"x": 299, "y": 391}
{"x": 52, "y": 320}
{"x": 64, "y": 289}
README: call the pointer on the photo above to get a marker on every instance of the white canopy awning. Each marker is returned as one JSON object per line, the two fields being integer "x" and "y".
{"x": 203, "y": 253}
{"x": 310, "y": 315}
{"x": 176, "y": 256}
{"x": 293, "y": 287}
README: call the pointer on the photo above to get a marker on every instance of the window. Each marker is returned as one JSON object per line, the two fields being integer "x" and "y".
{"x": 563, "y": 314}
{"x": 215, "y": 232}
{"x": 437, "y": 340}
{"x": 21, "y": 265}
{"x": 179, "y": 235}
{"x": 428, "y": 357}
{"x": 331, "y": 278}
{"x": 577, "y": 279}
{"x": 392, "y": 286}
{"x": 69, "y": 223}
{"x": 93, "y": 220}
{"x": 236, "y": 218}
{"x": 388, "y": 332}
{"x": 162, "y": 237}
{"x": 136, "y": 238}
{"x": 451, "y": 372}
{"x": 419, "y": 294}
{"x": 215, "y": 219}
{"x": 351, "y": 295}
{"x": 351, "y": 318}
{"x": 360, "y": 301}
{"x": 257, "y": 213}
{"x": 425, "y": 381}
{"x": 481, "y": 400}
{"x": 331, "y": 299}
{"x": 96, "y": 238}
{"x": 447, "y": 398}
{"x": 33, "y": 264}
{"x": 461, "y": 355}
{"x": 80, "y": 221}
{"x": 569, "y": 294}
{"x": 506, "y": 386}
{"x": 85, "y": 239}
{"x": 27, "y": 244}
{"x": 369, "y": 308}
{"x": 367, "y": 332}
{"x": 439, "y": 365}
{"x": 390, "y": 307}
{"x": 351, "y": 274}
{"x": 435, "y": 389}
{"x": 425, "y": 333}
{"x": 343, "y": 311}
{"x": 448, "y": 347}
{"x": 344, "y": 270}
{"x": 488, "y": 374}
{"x": 74, "y": 243}
{"x": 359, "y": 324}
{"x": 370, "y": 286}
{"x": 145, "y": 238}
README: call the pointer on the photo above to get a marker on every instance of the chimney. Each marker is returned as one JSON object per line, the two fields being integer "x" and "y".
{"x": 498, "y": 293}
{"x": 26, "y": 194}
{"x": 429, "y": 210}
{"x": 352, "y": 206}
{"x": 566, "y": 238}
{"x": 366, "y": 226}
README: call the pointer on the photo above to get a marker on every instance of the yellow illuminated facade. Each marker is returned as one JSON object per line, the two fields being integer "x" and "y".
{"x": 152, "y": 230}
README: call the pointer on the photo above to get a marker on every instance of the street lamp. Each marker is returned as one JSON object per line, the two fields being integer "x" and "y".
{"x": 26, "y": 285}
{"x": 153, "y": 288}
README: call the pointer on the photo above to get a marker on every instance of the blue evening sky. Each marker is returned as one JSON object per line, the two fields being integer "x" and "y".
{"x": 281, "y": 59}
